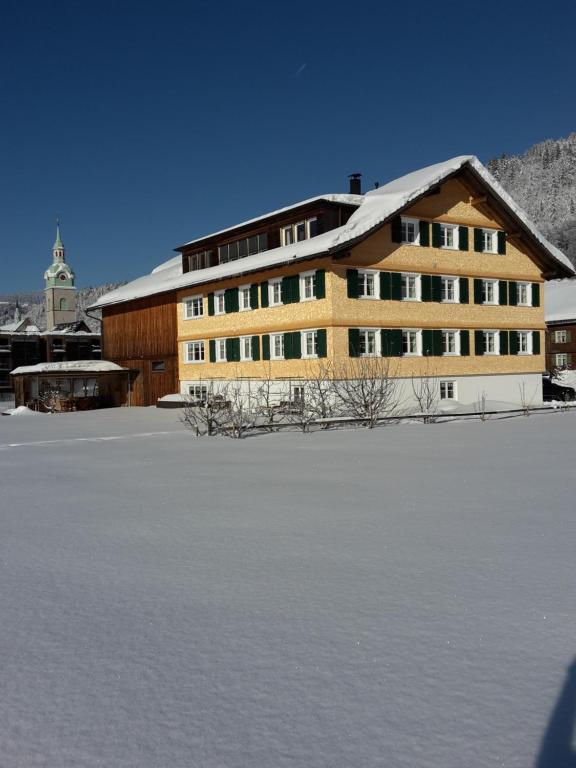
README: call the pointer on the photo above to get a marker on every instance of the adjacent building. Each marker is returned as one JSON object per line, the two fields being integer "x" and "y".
{"x": 561, "y": 325}
{"x": 439, "y": 273}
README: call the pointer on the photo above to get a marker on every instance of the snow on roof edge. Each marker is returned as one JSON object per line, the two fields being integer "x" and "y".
{"x": 70, "y": 366}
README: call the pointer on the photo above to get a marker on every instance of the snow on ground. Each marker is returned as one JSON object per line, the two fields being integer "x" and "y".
{"x": 402, "y": 597}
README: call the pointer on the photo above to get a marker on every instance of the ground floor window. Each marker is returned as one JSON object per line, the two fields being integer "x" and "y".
{"x": 198, "y": 392}
{"x": 561, "y": 360}
{"x": 447, "y": 390}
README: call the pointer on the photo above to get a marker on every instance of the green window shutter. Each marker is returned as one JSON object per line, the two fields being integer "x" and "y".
{"x": 464, "y": 290}
{"x": 436, "y": 235}
{"x": 254, "y": 296}
{"x": 296, "y": 345}
{"x": 264, "y": 298}
{"x": 535, "y": 342}
{"x": 286, "y": 291}
{"x": 210, "y": 303}
{"x": 427, "y": 342}
{"x": 426, "y": 287}
{"x": 501, "y": 237}
{"x": 464, "y": 343}
{"x": 477, "y": 291}
{"x": 212, "y": 350}
{"x": 396, "y": 286}
{"x": 230, "y": 350}
{"x": 513, "y": 293}
{"x": 231, "y": 300}
{"x": 354, "y": 342}
{"x": 255, "y": 348}
{"x": 320, "y": 283}
{"x": 236, "y": 350}
{"x": 463, "y": 238}
{"x": 513, "y": 342}
{"x": 396, "y": 229}
{"x": 437, "y": 345}
{"x": 321, "y": 342}
{"x": 503, "y": 292}
{"x": 479, "y": 342}
{"x": 295, "y": 288}
{"x": 436, "y": 288}
{"x": 391, "y": 342}
{"x": 352, "y": 280}
{"x": 504, "y": 346}
{"x": 535, "y": 294}
{"x": 385, "y": 286}
{"x": 424, "y": 229}
{"x": 478, "y": 240}
{"x": 266, "y": 347}
{"x": 288, "y": 346}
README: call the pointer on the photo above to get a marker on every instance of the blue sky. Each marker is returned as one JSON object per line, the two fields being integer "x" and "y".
{"x": 145, "y": 124}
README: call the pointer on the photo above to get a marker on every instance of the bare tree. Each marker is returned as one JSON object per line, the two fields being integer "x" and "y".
{"x": 425, "y": 390}
{"x": 366, "y": 389}
{"x": 480, "y": 406}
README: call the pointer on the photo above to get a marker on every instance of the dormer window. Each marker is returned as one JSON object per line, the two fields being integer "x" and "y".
{"x": 302, "y": 230}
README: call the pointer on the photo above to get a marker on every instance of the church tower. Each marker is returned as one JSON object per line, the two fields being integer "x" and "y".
{"x": 59, "y": 287}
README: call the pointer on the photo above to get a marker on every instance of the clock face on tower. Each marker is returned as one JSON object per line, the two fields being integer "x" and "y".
{"x": 62, "y": 276}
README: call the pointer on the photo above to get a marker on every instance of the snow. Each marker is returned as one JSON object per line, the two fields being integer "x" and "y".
{"x": 398, "y": 597}
{"x": 73, "y": 366}
{"x": 560, "y": 300}
{"x": 21, "y": 410}
{"x": 377, "y": 207}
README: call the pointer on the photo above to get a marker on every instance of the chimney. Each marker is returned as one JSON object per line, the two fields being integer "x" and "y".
{"x": 355, "y": 183}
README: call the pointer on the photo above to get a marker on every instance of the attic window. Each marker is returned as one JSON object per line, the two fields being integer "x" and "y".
{"x": 410, "y": 231}
{"x": 302, "y": 230}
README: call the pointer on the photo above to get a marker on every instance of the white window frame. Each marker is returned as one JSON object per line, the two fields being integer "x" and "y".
{"x": 219, "y": 303}
{"x": 527, "y": 336}
{"x": 277, "y": 281}
{"x": 418, "y": 339}
{"x": 448, "y": 383}
{"x": 404, "y": 220}
{"x": 289, "y": 232}
{"x": 496, "y": 292}
{"x": 201, "y": 345}
{"x": 304, "y": 344}
{"x": 193, "y": 392}
{"x": 528, "y": 287}
{"x": 494, "y": 240}
{"x": 444, "y": 228}
{"x": 377, "y": 342}
{"x": 561, "y": 336}
{"x": 243, "y": 341}
{"x": 496, "y": 336}
{"x": 405, "y": 276}
{"x": 304, "y": 277}
{"x": 456, "y": 283}
{"x": 220, "y": 350}
{"x": 189, "y": 302}
{"x": 561, "y": 359}
{"x": 241, "y": 306}
{"x": 273, "y": 354}
{"x": 362, "y": 275}
{"x": 456, "y": 333}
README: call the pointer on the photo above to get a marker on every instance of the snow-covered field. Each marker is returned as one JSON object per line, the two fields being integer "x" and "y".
{"x": 400, "y": 598}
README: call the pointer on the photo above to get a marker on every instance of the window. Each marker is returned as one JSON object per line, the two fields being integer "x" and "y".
{"x": 369, "y": 343}
{"x": 298, "y": 394}
{"x": 561, "y": 360}
{"x": 490, "y": 291}
{"x": 219, "y": 303}
{"x": 411, "y": 343}
{"x": 197, "y": 261}
{"x": 244, "y": 298}
{"x": 198, "y": 392}
{"x": 193, "y": 307}
{"x": 220, "y": 350}
{"x": 489, "y": 241}
{"x": 524, "y": 294}
{"x": 367, "y": 288}
{"x": 275, "y": 292}
{"x": 524, "y": 343}
{"x": 239, "y": 249}
{"x": 195, "y": 352}
{"x": 561, "y": 337}
{"x": 302, "y": 230}
{"x": 307, "y": 286}
{"x": 450, "y": 343}
{"x": 491, "y": 345}
{"x": 158, "y": 366}
{"x": 309, "y": 343}
{"x": 410, "y": 287}
{"x": 277, "y": 346}
{"x": 450, "y": 290}
{"x": 245, "y": 348}
{"x": 448, "y": 236}
{"x": 447, "y": 390}
{"x": 410, "y": 231}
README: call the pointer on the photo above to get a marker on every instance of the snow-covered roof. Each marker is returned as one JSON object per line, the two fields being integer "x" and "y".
{"x": 25, "y": 325}
{"x": 560, "y": 300}
{"x": 70, "y": 366}
{"x": 377, "y": 207}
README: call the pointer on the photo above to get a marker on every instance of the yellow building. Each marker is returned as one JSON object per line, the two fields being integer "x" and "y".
{"x": 438, "y": 273}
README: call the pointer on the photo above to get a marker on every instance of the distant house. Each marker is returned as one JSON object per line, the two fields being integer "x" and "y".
{"x": 439, "y": 272}
{"x": 561, "y": 325}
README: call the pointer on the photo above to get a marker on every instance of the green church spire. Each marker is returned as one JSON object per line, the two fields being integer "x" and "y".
{"x": 58, "y": 242}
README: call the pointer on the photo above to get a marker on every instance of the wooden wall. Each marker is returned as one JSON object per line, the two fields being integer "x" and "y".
{"x": 137, "y": 334}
